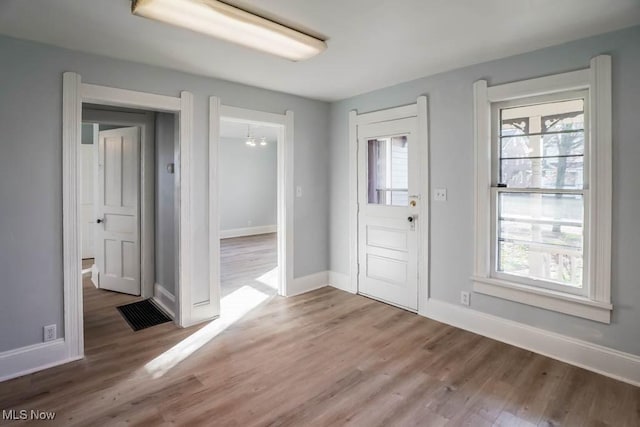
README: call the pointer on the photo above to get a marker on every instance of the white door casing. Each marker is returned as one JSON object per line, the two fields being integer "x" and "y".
{"x": 389, "y": 208}
{"x": 118, "y": 210}
{"x": 87, "y": 199}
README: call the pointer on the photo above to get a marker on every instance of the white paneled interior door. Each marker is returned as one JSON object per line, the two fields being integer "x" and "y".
{"x": 118, "y": 210}
{"x": 388, "y": 208}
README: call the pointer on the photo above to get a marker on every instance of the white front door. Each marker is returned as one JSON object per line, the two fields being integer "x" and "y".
{"x": 117, "y": 211}
{"x": 388, "y": 199}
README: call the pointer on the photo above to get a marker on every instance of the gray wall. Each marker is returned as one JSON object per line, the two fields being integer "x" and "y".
{"x": 451, "y": 137}
{"x": 165, "y": 187}
{"x": 87, "y": 133}
{"x": 248, "y": 184}
{"x": 31, "y": 173}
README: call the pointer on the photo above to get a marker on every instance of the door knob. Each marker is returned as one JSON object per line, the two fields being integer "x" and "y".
{"x": 410, "y": 219}
{"x": 100, "y": 220}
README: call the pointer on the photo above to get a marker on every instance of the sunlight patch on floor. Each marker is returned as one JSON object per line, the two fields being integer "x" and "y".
{"x": 270, "y": 278}
{"x": 233, "y": 307}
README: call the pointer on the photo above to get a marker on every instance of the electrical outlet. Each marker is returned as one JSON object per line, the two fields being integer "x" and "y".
{"x": 50, "y": 333}
{"x": 465, "y": 298}
{"x": 440, "y": 195}
{"x": 298, "y": 191}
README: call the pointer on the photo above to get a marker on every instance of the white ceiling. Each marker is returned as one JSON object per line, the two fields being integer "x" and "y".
{"x": 372, "y": 43}
{"x": 239, "y": 131}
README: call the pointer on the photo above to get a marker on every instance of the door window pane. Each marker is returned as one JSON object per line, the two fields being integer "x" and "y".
{"x": 388, "y": 171}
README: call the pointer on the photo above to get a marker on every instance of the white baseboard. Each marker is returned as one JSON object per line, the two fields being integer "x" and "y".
{"x": 248, "y": 231}
{"x": 94, "y": 275}
{"x": 308, "y": 283}
{"x": 341, "y": 281}
{"x": 165, "y": 299}
{"x": 603, "y": 360}
{"x": 26, "y": 360}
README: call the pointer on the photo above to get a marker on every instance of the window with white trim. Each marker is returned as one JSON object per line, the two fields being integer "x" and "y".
{"x": 543, "y": 191}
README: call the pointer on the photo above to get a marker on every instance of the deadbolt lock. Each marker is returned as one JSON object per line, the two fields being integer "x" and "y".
{"x": 412, "y": 203}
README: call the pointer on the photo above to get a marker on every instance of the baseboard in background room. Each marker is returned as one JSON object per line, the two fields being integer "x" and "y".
{"x": 164, "y": 299}
{"x": 248, "y": 231}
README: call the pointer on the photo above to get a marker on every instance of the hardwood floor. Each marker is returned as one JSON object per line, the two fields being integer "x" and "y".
{"x": 249, "y": 261}
{"x": 325, "y": 358}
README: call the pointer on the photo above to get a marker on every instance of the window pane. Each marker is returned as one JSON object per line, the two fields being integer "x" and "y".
{"x": 543, "y": 145}
{"x": 548, "y": 172}
{"x": 572, "y": 120}
{"x": 541, "y": 236}
{"x": 388, "y": 171}
{"x": 562, "y": 144}
{"x": 543, "y": 118}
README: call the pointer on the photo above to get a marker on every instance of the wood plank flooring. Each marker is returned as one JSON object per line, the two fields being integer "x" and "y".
{"x": 249, "y": 261}
{"x": 326, "y": 358}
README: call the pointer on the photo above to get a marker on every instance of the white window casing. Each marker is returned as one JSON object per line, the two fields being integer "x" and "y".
{"x": 595, "y": 301}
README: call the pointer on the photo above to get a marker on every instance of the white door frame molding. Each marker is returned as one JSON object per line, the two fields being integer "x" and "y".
{"x": 284, "y": 122}
{"x": 146, "y": 123}
{"x": 75, "y": 93}
{"x": 420, "y": 111}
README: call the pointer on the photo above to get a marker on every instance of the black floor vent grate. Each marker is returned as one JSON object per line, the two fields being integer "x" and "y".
{"x": 142, "y": 314}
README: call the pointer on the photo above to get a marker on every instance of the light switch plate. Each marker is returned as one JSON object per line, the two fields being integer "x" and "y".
{"x": 440, "y": 195}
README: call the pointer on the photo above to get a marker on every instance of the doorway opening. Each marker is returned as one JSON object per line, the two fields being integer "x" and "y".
{"x": 248, "y": 176}
{"x": 127, "y": 209}
{"x": 77, "y": 94}
{"x": 251, "y": 211}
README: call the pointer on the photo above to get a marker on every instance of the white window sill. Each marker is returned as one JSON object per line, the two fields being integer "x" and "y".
{"x": 544, "y": 298}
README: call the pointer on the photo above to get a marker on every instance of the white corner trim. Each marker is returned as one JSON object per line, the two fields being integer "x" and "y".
{"x": 601, "y": 164}
{"x": 573, "y": 80}
{"x": 245, "y": 115}
{"x": 424, "y": 220}
{"x": 72, "y": 264}
{"x": 26, "y": 360}
{"x": 301, "y": 285}
{"x": 165, "y": 299}
{"x": 248, "y": 231}
{"x": 185, "y": 307}
{"x": 551, "y": 300}
{"x": 341, "y": 281}
{"x": 353, "y": 201}
{"x": 104, "y": 95}
{"x": 214, "y": 206}
{"x": 286, "y": 158}
{"x": 606, "y": 361}
{"x": 388, "y": 114}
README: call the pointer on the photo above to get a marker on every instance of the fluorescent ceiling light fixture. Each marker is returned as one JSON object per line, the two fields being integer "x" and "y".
{"x": 230, "y": 23}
